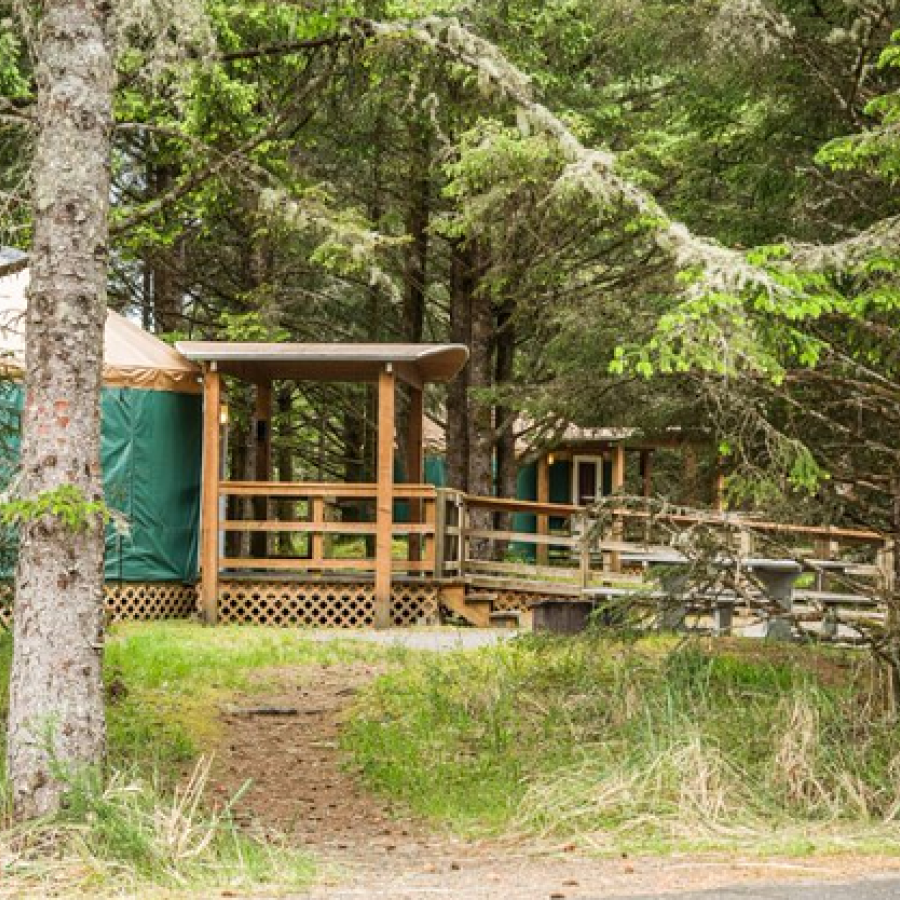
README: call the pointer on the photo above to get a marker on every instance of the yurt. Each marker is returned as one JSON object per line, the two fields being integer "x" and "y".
{"x": 151, "y": 427}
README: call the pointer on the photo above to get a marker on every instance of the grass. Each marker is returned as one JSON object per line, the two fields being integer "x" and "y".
{"x": 149, "y": 827}
{"x": 644, "y": 747}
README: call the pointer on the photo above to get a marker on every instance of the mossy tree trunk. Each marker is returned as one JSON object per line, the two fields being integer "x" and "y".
{"x": 56, "y": 716}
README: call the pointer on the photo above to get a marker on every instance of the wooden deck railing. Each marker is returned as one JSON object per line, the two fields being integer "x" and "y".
{"x": 585, "y": 550}
{"x": 319, "y": 499}
{"x": 454, "y": 535}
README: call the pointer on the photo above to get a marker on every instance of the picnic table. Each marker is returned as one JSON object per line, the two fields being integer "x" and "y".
{"x": 776, "y": 576}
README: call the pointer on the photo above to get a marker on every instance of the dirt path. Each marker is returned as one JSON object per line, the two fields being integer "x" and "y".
{"x": 369, "y": 850}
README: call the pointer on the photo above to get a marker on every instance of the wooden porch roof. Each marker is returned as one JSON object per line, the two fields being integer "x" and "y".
{"x": 414, "y": 363}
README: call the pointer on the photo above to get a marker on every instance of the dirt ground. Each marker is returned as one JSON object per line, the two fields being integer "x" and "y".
{"x": 300, "y": 787}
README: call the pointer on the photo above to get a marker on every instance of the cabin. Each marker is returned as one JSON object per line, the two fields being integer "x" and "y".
{"x": 401, "y": 549}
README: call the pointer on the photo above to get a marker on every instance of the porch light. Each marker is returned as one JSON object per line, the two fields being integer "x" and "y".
{"x": 223, "y": 414}
{"x": 551, "y": 458}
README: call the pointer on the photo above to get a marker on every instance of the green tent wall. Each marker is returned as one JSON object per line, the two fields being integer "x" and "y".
{"x": 151, "y": 472}
{"x": 150, "y": 453}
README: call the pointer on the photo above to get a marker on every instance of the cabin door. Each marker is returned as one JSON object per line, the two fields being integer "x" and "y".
{"x": 587, "y": 479}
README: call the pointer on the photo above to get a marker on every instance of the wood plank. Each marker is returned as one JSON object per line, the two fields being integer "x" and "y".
{"x": 524, "y": 569}
{"x": 524, "y": 537}
{"x": 209, "y": 531}
{"x": 323, "y": 527}
{"x": 297, "y": 565}
{"x": 323, "y": 565}
{"x": 560, "y": 510}
{"x": 384, "y": 507}
{"x": 489, "y": 582}
{"x": 736, "y": 520}
{"x": 339, "y": 491}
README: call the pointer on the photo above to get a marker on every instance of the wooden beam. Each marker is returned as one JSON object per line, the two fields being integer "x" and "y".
{"x": 209, "y": 509}
{"x": 384, "y": 506}
{"x": 618, "y": 468}
{"x": 262, "y": 427}
{"x": 543, "y": 496}
{"x": 328, "y": 489}
{"x": 415, "y": 461}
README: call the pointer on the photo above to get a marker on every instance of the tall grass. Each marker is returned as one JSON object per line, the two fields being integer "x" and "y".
{"x": 126, "y": 837}
{"x": 150, "y": 825}
{"x": 639, "y": 746}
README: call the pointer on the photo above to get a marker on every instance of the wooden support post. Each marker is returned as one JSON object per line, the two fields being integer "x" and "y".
{"x": 618, "y": 469}
{"x": 316, "y": 539}
{"x": 440, "y": 533}
{"x": 618, "y": 526}
{"x": 209, "y": 509}
{"x": 262, "y": 428}
{"x": 415, "y": 463}
{"x": 430, "y": 517}
{"x": 543, "y": 496}
{"x": 384, "y": 515}
{"x": 584, "y": 551}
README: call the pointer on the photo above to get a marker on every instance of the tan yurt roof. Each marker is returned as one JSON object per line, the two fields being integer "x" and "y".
{"x": 131, "y": 358}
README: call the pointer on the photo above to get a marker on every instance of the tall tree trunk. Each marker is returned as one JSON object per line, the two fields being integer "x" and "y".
{"x": 507, "y": 470}
{"x": 462, "y": 285}
{"x": 56, "y": 717}
{"x": 167, "y": 293}
{"x": 417, "y": 214}
{"x": 481, "y": 414}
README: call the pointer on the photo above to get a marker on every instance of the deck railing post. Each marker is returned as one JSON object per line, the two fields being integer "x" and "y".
{"x": 317, "y": 538}
{"x": 384, "y": 515}
{"x": 209, "y": 555}
{"x": 584, "y": 549}
{"x": 439, "y": 546}
{"x": 462, "y": 507}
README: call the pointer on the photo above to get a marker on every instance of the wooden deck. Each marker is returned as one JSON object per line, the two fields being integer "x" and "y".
{"x": 459, "y": 546}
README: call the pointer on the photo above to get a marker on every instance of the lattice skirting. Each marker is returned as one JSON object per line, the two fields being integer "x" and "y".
{"x": 319, "y": 604}
{"x": 142, "y": 601}
{"x": 322, "y": 604}
{"x": 126, "y": 602}
{"x": 516, "y": 600}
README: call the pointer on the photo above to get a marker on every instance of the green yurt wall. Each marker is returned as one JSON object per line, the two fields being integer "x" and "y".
{"x": 152, "y": 415}
{"x": 151, "y": 475}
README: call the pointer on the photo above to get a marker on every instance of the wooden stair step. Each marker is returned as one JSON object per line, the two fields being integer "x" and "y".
{"x": 505, "y": 618}
{"x": 475, "y": 598}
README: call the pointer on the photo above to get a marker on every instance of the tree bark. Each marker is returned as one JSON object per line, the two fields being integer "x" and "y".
{"x": 167, "y": 295}
{"x": 56, "y": 716}
{"x": 462, "y": 285}
{"x": 504, "y": 365}
{"x": 481, "y": 415}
